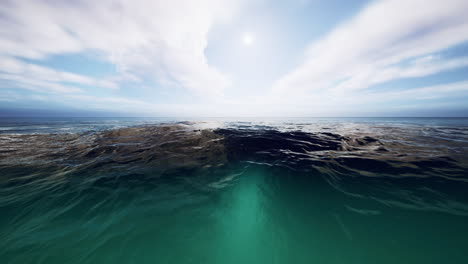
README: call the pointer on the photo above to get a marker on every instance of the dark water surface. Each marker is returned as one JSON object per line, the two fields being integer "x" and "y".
{"x": 134, "y": 190}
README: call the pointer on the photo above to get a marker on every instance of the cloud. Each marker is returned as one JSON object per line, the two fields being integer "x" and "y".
{"x": 18, "y": 81}
{"x": 420, "y": 93}
{"x": 387, "y": 40}
{"x": 34, "y": 77}
{"x": 417, "y": 68}
{"x": 164, "y": 40}
{"x": 370, "y": 102}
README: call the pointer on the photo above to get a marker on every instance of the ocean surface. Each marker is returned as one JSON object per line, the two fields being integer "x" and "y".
{"x": 285, "y": 190}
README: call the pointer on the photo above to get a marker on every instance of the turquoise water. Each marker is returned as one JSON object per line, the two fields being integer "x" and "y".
{"x": 245, "y": 193}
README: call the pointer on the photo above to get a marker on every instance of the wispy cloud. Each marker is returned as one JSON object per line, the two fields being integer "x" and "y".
{"x": 164, "y": 40}
{"x": 158, "y": 49}
{"x": 388, "y": 40}
{"x": 416, "y": 68}
{"x": 420, "y": 93}
{"x": 34, "y": 77}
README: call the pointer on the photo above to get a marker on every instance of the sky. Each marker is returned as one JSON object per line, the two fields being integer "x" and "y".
{"x": 218, "y": 58}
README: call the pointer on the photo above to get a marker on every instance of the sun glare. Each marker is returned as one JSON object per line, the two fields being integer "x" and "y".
{"x": 247, "y": 39}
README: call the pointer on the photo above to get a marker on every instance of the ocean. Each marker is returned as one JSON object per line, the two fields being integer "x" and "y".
{"x": 246, "y": 190}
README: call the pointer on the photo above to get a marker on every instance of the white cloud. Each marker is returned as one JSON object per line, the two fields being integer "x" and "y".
{"x": 373, "y": 47}
{"x": 372, "y": 101}
{"x": 417, "y": 68}
{"x": 421, "y": 93}
{"x": 166, "y": 40}
{"x": 161, "y": 39}
{"x": 26, "y": 74}
{"x": 37, "y": 85}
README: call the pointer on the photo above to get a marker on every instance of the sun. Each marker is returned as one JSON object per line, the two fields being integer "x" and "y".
{"x": 247, "y": 39}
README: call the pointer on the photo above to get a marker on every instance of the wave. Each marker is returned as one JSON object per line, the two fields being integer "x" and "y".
{"x": 152, "y": 189}
{"x": 133, "y": 153}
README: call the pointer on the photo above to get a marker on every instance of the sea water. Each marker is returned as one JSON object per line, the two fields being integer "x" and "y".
{"x": 298, "y": 190}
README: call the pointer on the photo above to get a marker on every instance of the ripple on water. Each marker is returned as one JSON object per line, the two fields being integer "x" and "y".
{"x": 200, "y": 193}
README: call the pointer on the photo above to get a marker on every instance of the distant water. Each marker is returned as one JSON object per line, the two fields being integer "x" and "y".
{"x": 299, "y": 190}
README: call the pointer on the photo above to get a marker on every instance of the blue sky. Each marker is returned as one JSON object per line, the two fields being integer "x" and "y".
{"x": 234, "y": 58}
